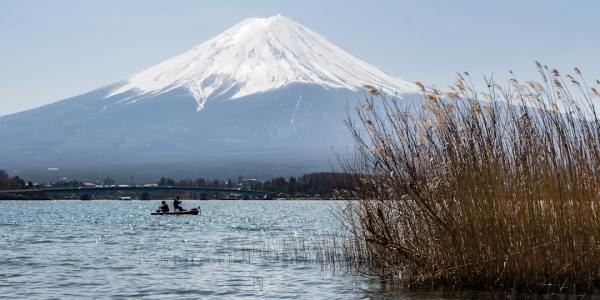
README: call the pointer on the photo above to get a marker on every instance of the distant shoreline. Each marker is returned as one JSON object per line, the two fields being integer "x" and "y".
{"x": 292, "y": 199}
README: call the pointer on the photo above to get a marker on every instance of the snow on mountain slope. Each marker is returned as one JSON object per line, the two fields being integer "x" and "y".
{"x": 292, "y": 89}
{"x": 259, "y": 55}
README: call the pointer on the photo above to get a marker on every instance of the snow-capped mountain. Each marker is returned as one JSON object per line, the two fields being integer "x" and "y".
{"x": 266, "y": 97}
{"x": 259, "y": 55}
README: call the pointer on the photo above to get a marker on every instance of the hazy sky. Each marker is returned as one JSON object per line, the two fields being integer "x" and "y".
{"x": 51, "y": 50}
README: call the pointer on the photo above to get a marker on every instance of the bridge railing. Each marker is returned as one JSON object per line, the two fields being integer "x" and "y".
{"x": 95, "y": 190}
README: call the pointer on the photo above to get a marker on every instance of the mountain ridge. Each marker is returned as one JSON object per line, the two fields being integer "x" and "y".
{"x": 258, "y": 55}
{"x": 285, "y": 126}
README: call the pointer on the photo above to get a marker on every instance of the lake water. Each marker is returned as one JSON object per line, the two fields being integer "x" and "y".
{"x": 116, "y": 249}
{"x": 234, "y": 250}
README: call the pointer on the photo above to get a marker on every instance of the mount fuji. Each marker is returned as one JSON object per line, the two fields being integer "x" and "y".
{"x": 266, "y": 97}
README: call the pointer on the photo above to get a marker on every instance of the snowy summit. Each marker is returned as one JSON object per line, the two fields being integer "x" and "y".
{"x": 267, "y": 97}
{"x": 259, "y": 55}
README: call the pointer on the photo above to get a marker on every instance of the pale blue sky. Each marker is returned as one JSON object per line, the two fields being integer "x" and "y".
{"x": 50, "y": 50}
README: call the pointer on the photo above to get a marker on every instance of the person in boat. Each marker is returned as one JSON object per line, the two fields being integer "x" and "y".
{"x": 163, "y": 207}
{"x": 177, "y": 205}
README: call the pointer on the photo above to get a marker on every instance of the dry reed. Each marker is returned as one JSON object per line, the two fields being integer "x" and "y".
{"x": 493, "y": 189}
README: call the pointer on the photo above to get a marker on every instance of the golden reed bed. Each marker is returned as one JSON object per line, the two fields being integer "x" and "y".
{"x": 496, "y": 188}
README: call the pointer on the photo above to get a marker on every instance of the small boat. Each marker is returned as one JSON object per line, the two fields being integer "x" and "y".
{"x": 193, "y": 211}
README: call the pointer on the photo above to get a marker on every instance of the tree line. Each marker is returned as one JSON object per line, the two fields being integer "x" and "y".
{"x": 12, "y": 182}
{"x": 324, "y": 184}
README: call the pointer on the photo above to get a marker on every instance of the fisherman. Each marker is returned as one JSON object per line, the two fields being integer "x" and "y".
{"x": 163, "y": 207}
{"x": 177, "y": 205}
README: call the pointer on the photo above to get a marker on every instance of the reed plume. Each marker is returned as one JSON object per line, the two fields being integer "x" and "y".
{"x": 492, "y": 189}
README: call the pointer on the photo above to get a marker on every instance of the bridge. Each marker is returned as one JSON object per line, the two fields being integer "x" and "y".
{"x": 137, "y": 189}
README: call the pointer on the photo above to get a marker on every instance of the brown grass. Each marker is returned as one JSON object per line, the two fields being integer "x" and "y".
{"x": 492, "y": 189}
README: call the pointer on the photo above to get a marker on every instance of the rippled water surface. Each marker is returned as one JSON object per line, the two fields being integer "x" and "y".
{"x": 116, "y": 249}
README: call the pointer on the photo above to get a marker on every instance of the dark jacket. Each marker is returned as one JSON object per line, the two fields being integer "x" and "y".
{"x": 164, "y": 207}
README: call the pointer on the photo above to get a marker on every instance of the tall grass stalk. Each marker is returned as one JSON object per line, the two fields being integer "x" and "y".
{"x": 492, "y": 189}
